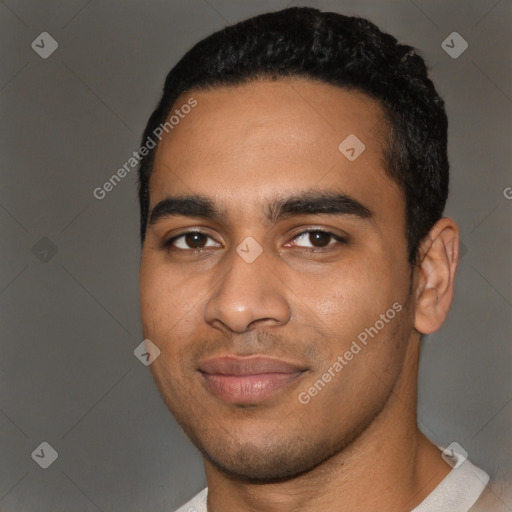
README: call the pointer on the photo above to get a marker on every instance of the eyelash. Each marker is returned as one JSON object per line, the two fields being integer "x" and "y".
{"x": 168, "y": 244}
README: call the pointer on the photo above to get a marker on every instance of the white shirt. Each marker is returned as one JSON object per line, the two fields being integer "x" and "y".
{"x": 457, "y": 492}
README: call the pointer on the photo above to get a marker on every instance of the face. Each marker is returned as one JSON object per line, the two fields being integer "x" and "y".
{"x": 274, "y": 275}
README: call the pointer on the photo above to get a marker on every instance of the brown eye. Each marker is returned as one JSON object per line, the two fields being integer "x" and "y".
{"x": 193, "y": 240}
{"x": 317, "y": 239}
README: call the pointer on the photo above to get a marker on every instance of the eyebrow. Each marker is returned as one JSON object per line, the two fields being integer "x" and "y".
{"x": 306, "y": 203}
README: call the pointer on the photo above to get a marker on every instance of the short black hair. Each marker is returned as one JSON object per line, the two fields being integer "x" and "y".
{"x": 345, "y": 51}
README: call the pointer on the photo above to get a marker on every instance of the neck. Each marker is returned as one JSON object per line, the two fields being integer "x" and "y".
{"x": 390, "y": 467}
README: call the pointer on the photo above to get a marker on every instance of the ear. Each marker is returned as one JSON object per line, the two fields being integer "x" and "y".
{"x": 439, "y": 257}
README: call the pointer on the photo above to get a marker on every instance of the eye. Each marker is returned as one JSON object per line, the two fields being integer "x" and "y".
{"x": 318, "y": 239}
{"x": 193, "y": 240}
{"x": 309, "y": 240}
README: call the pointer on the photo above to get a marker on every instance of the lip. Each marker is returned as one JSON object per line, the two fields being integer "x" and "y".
{"x": 247, "y": 380}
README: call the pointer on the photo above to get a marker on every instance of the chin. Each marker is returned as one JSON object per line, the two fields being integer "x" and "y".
{"x": 270, "y": 464}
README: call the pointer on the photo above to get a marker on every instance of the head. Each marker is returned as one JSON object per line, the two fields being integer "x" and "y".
{"x": 257, "y": 157}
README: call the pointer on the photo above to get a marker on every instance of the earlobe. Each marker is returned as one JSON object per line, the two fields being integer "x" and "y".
{"x": 439, "y": 257}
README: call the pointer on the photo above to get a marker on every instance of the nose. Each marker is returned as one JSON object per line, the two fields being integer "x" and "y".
{"x": 249, "y": 293}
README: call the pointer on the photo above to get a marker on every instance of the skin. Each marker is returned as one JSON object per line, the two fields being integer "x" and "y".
{"x": 356, "y": 445}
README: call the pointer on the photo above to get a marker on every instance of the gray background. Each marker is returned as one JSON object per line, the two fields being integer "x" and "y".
{"x": 70, "y": 318}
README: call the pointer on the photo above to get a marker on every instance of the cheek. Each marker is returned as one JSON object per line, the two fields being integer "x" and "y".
{"x": 347, "y": 305}
{"x": 166, "y": 306}
{"x": 166, "y": 300}
{"x": 346, "y": 295}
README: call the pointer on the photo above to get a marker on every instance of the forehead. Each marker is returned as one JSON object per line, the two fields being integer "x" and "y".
{"x": 239, "y": 144}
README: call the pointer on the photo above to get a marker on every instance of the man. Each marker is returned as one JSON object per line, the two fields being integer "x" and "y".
{"x": 294, "y": 253}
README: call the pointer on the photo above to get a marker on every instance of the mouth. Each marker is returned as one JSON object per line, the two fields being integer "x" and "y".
{"x": 247, "y": 380}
